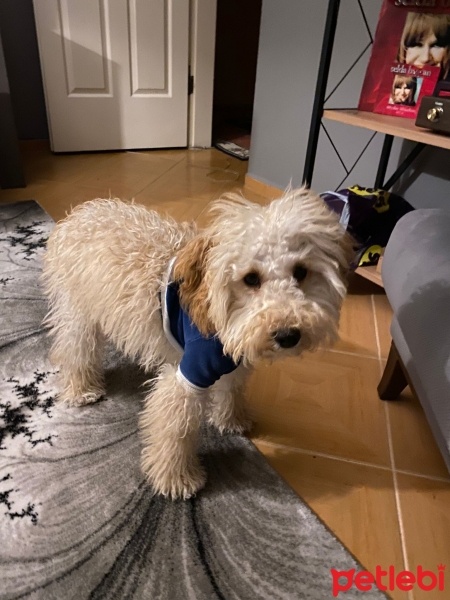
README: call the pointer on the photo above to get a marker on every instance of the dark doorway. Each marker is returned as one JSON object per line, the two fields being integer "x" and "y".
{"x": 237, "y": 37}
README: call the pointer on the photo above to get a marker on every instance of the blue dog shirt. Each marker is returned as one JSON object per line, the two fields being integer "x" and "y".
{"x": 203, "y": 361}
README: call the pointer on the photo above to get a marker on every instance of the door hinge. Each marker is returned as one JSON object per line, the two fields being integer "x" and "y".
{"x": 190, "y": 83}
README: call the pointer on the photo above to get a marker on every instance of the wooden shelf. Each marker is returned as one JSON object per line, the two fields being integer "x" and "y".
{"x": 371, "y": 273}
{"x": 397, "y": 126}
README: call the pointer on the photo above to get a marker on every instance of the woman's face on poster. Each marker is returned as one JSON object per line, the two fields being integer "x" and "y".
{"x": 425, "y": 51}
{"x": 401, "y": 93}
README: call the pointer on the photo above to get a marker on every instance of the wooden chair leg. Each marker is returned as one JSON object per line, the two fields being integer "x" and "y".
{"x": 393, "y": 381}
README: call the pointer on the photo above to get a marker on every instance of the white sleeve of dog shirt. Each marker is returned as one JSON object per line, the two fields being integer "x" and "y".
{"x": 184, "y": 381}
{"x": 165, "y": 316}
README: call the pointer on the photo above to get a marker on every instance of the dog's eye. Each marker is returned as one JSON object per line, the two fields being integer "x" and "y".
{"x": 300, "y": 273}
{"x": 252, "y": 279}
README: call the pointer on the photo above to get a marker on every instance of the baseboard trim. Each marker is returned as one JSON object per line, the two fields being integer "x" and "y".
{"x": 263, "y": 189}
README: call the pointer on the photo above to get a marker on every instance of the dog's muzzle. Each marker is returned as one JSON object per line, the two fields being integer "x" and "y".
{"x": 287, "y": 338}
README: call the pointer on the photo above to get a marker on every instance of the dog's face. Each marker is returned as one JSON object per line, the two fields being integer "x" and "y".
{"x": 269, "y": 281}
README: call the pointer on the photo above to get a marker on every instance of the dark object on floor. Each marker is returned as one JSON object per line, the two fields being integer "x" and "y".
{"x": 77, "y": 519}
{"x": 416, "y": 277}
{"x": 369, "y": 215}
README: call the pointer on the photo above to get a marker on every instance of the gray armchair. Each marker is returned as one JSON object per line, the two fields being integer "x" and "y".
{"x": 416, "y": 277}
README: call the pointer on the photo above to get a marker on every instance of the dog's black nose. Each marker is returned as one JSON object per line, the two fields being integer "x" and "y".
{"x": 287, "y": 338}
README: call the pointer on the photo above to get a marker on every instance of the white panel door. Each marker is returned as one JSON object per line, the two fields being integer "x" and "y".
{"x": 115, "y": 72}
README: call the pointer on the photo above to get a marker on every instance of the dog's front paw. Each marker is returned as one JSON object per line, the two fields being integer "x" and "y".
{"x": 81, "y": 399}
{"x": 234, "y": 424}
{"x": 180, "y": 483}
{"x": 173, "y": 477}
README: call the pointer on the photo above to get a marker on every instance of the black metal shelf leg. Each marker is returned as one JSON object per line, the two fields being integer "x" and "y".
{"x": 321, "y": 87}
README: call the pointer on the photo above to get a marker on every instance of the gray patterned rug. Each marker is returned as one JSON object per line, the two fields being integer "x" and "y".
{"x": 77, "y": 520}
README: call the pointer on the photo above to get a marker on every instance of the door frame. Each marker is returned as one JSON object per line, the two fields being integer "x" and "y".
{"x": 202, "y": 43}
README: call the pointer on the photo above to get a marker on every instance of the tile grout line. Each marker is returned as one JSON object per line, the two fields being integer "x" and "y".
{"x": 175, "y": 164}
{"x": 321, "y": 455}
{"x": 343, "y": 459}
{"x": 391, "y": 451}
{"x": 357, "y": 354}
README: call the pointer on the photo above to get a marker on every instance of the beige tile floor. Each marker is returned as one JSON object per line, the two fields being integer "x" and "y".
{"x": 370, "y": 469}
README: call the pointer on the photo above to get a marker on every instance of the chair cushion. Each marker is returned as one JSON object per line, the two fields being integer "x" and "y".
{"x": 416, "y": 277}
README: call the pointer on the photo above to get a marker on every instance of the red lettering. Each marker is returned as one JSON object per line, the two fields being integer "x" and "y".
{"x": 339, "y": 587}
{"x": 364, "y": 581}
{"x": 405, "y": 581}
{"x": 379, "y": 573}
{"x": 391, "y": 578}
{"x": 441, "y": 569}
{"x": 422, "y": 575}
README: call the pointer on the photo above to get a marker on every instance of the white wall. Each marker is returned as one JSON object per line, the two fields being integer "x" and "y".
{"x": 289, "y": 51}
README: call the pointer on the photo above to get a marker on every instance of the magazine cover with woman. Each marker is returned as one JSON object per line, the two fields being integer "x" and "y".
{"x": 410, "y": 57}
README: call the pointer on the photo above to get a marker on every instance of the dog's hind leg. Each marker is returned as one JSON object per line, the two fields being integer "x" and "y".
{"x": 77, "y": 350}
{"x": 226, "y": 411}
{"x": 169, "y": 427}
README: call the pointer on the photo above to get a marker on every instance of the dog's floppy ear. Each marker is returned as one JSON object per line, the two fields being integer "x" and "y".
{"x": 190, "y": 269}
{"x": 348, "y": 246}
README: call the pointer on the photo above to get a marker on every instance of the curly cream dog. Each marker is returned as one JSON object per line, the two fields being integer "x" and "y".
{"x": 259, "y": 282}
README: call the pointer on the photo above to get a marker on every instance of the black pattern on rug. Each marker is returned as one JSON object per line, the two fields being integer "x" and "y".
{"x": 77, "y": 520}
{"x": 15, "y": 416}
{"x": 27, "y": 239}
